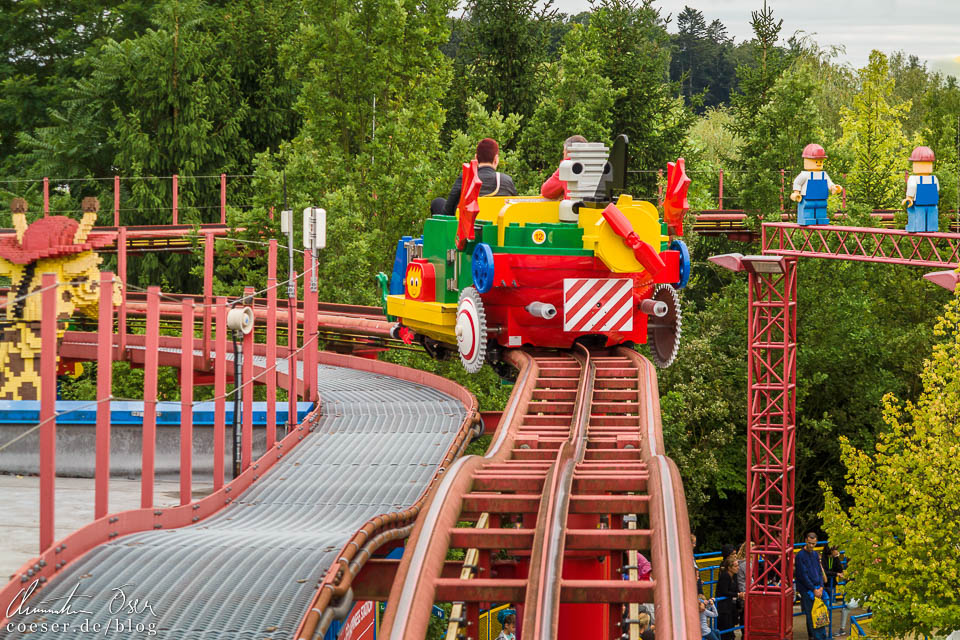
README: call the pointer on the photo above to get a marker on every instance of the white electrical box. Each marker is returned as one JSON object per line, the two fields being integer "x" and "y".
{"x": 286, "y": 222}
{"x": 314, "y": 228}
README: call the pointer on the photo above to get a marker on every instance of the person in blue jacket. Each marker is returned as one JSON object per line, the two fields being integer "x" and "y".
{"x": 808, "y": 575}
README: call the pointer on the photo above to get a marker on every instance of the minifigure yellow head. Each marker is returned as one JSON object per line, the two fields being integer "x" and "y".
{"x": 922, "y": 159}
{"x": 813, "y": 157}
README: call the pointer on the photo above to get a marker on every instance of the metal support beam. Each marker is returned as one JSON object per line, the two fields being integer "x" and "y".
{"x": 771, "y": 451}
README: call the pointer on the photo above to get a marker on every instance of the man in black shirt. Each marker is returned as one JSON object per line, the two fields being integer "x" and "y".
{"x": 494, "y": 184}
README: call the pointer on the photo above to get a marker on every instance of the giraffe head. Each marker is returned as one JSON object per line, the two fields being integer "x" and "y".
{"x": 57, "y": 245}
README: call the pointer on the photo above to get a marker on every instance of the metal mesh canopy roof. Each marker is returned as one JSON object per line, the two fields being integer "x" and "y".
{"x": 250, "y": 570}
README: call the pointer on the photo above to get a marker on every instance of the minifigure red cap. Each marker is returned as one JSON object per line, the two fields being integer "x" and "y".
{"x": 50, "y": 237}
{"x": 922, "y": 154}
{"x": 487, "y": 150}
{"x": 814, "y": 152}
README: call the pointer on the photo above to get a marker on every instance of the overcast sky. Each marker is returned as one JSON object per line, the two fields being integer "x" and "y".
{"x": 929, "y": 29}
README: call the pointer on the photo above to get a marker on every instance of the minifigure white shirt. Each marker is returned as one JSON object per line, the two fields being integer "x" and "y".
{"x": 914, "y": 180}
{"x": 800, "y": 182}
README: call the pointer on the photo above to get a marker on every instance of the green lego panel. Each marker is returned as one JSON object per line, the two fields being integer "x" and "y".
{"x": 440, "y": 235}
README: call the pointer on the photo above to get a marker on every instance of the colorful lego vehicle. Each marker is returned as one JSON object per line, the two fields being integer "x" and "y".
{"x": 508, "y": 272}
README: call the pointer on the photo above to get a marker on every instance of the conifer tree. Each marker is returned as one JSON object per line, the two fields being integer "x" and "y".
{"x": 873, "y": 142}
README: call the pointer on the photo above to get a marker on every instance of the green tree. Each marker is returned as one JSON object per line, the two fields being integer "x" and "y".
{"x": 873, "y": 142}
{"x": 368, "y": 150}
{"x": 197, "y": 95}
{"x": 508, "y": 42}
{"x": 702, "y": 62}
{"x": 579, "y": 99}
{"x": 941, "y": 132}
{"x": 786, "y": 121}
{"x": 711, "y": 146}
{"x": 634, "y": 46}
{"x": 41, "y": 41}
{"x": 479, "y": 124}
{"x": 757, "y": 77}
{"x": 902, "y": 528}
{"x": 911, "y": 81}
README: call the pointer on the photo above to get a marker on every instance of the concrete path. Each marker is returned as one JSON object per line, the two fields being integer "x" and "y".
{"x": 20, "y": 518}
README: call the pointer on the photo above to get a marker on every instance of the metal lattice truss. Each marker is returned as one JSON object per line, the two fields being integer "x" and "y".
{"x": 888, "y": 246}
{"x": 771, "y": 451}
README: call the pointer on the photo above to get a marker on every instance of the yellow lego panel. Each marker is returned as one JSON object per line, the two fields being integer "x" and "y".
{"x": 600, "y": 238}
{"x": 435, "y": 319}
{"x": 503, "y": 210}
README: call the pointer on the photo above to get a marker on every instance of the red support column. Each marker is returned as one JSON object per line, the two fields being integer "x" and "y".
{"x": 186, "y": 402}
{"x": 176, "y": 197}
{"x": 219, "y": 393}
{"x": 116, "y": 201}
{"x": 48, "y": 408}
{"x": 272, "y": 344}
{"x": 223, "y": 198}
{"x": 104, "y": 387}
{"x": 720, "y": 191}
{"x": 309, "y": 326}
{"x": 46, "y": 196}
{"x": 207, "y": 293}
{"x": 246, "y": 446}
{"x": 292, "y": 360}
{"x": 122, "y": 274}
{"x": 771, "y": 452}
{"x": 150, "y": 370}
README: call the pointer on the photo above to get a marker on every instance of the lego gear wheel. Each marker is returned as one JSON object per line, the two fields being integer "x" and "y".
{"x": 663, "y": 335}
{"x": 471, "y": 330}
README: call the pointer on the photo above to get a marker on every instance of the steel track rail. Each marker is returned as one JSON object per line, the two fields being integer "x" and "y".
{"x": 426, "y": 549}
{"x": 585, "y": 473}
{"x": 542, "y": 604}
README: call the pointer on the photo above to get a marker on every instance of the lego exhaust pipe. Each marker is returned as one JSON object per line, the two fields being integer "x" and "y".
{"x": 652, "y": 307}
{"x": 542, "y": 310}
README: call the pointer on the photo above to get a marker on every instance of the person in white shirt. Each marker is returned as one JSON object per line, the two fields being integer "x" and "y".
{"x": 812, "y": 187}
{"x": 923, "y": 193}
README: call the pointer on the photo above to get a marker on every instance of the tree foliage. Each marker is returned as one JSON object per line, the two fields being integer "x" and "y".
{"x": 368, "y": 150}
{"x": 579, "y": 99}
{"x": 784, "y": 124}
{"x": 702, "y": 60}
{"x": 506, "y": 46}
{"x": 873, "y": 140}
{"x": 902, "y": 528}
{"x": 634, "y": 47}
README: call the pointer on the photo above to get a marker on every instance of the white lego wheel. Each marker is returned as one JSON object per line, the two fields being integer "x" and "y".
{"x": 471, "y": 330}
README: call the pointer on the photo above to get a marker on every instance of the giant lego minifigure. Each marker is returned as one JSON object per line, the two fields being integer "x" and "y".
{"x": 923, "y": 193}
{"x": 55, "y": 244}
{"x": 812, "y": 187}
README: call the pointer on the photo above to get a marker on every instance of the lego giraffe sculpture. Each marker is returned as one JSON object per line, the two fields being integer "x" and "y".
{"x": 54, "y": 244}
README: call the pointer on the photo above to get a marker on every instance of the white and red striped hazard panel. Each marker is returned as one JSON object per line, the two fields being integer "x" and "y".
{"x": 597, "y": 304}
